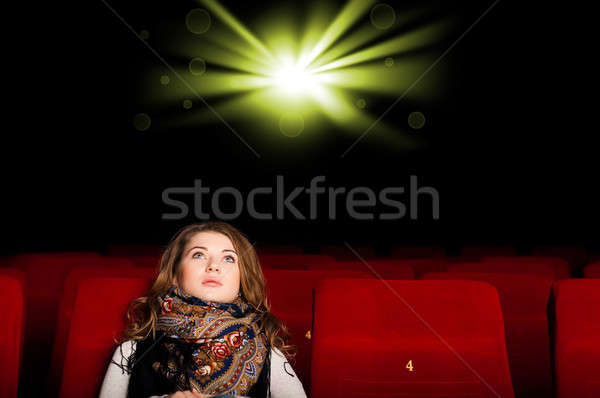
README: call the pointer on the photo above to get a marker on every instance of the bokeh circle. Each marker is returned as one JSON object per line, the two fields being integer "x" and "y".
{"x": 197, "y": 66}
{"x": 416, "y": 120}
{"x": 141, "y": 122}
{"x": 198, "y": 21}
{"x": 291, "y": 124}
{"x": 383, "y": 16}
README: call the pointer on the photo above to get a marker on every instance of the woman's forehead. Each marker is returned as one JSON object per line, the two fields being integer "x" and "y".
{"x": 211, "y": 241}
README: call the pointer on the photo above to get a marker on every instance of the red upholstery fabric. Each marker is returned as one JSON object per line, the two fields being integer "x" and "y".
{"x": 16, "y": 274}
{"x": 98, "y": 318}
{"x": 559, "y": 265}
{"x": 11, "y": 334}
{"x": 344, "y": 253}
{"x": 143, "y": 261}
{"x": 515, "y": 265}
{"x": 592, "y": 270}
{"x": 45, "y": 276}
{"x": 407, "y": 252}
{"x": 364, "y": 336}
{"x": 387, "y": 268}
{"x": 293, "y": 261}
{"x": 577, "y": 342}
{"x": 291, "y": 294}
{"x": 576, "y": 256}
{"x": 65, "y": 311}
{"x": 524, "y": 300}
{"x": 127, "y": 250}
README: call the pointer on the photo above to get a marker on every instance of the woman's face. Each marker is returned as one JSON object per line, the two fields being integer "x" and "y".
{"x": 209, "y": 268}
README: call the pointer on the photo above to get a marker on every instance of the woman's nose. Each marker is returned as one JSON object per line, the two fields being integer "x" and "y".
{"x": 213, "y": 267}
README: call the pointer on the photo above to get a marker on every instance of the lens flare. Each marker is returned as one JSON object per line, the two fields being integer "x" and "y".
{"x": 295, "y": 80}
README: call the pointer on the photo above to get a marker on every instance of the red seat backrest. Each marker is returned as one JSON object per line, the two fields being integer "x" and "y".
{"x": 134, "y": 250}
{"x": 345, "y": 253}
{"x": 575, "y": 256}
{"x": 142, "y": 261}
{"x": 290, "y": 293}
{"x": 530, "y": 264}
{"x": 45, "y": 275}
{"x": 386, "y": 268}
{"x": 65, "y": 312}
{"x": 524, "y": 299}
{"x": 413, "y": 338}
{"x": 592, "y": 270}
{"x": 98, "y": 318}
{"x": 514, "y": 265}
{"x": 293, "y": 261}
{"x": 576, "y": 341}
{"x": 11, "y": 334}
{"x": 408, "y": 252}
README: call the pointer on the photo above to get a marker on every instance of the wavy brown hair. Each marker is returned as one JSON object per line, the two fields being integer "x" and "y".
{"x": 143, "y": 312}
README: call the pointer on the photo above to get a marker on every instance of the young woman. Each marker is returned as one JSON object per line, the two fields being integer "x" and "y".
{"x": 204, "y": 329}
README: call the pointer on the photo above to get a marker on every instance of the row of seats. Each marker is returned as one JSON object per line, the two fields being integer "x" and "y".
{"x": 55, "y": 277}
{"x": 576, "y": 257}
{"x": 447, "y": 335}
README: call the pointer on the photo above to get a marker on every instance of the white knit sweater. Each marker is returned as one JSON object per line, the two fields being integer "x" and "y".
{"x": 284, "y": 382}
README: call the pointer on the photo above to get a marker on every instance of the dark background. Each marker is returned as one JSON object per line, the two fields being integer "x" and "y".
{"x": 511, "y": 150}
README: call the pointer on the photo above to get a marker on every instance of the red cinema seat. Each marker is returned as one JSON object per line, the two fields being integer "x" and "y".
{"x": 11, "y": 340}
{"x": 524, "y": 300}
{"x": 410, "y": 252}
{"x": 16, "y": 274}
{"x": 475, "y": 252}
{"x": 576, "y": 338}
{"x": 143, "y": 261}
{"x": 592, "y": 270}
{"x": 575, "y": 256}
{"x": 278, "y": 249}
{"x": 346, "y": 253}
{"x": 293, "y": 261}
{"x": 556, "y": 267}
{"x": 559, "y": 266}
{"x": 65, "y": 311}
{"x": 98, "y": 318}
{"x": 291, "y": 295}
{"x": 408, "y": 339}
{"x": 45, "y": 277}
{"x": 134, "y": 250}
{"x": 387, "y": 268}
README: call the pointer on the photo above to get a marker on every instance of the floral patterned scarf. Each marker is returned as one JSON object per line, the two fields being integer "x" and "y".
{"x": 210, "y": 347}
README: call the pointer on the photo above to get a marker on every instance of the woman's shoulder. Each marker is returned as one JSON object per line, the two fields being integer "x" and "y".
{"x": 126, "y": 348}
{"x": 284, "y": 381}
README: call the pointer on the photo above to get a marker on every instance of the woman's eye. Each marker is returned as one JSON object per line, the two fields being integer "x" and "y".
{"x": 231, "y": 258}
{"x": 197, "y": 255}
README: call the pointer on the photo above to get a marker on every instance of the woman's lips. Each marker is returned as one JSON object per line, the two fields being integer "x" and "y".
{"x": 211, "y": 283}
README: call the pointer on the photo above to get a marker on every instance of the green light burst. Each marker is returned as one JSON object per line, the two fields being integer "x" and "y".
{"x": 289, "y": 77}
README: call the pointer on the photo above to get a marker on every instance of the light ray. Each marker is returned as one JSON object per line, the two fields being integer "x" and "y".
{"x": 220, "y": 56}
{"x": 407, "y": 42}
{"x": 363, "y": 35}
{"x": 236, "y": 25}
{"x": 390, "y": 81}
{"x": 349, "y": 15}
